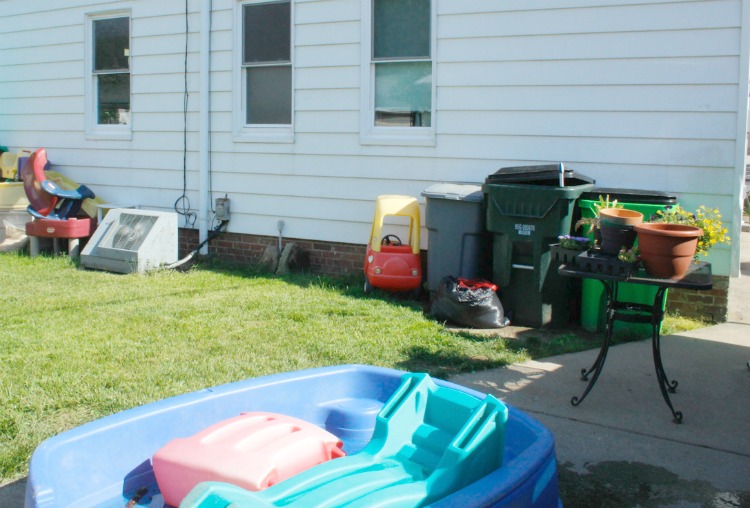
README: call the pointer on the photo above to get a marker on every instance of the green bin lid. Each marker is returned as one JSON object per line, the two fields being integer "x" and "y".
{"x": 546, "y": 175}
{"x": 644, "y": 197}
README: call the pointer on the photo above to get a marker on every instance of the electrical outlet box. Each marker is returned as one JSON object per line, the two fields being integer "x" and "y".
{"x": 222, "y": 208}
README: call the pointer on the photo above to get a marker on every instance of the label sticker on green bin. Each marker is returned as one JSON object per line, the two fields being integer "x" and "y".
{"x": 524, "y": 229}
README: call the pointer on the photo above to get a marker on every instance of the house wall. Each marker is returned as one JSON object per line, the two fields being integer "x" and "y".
{"x": 636, "y": 94}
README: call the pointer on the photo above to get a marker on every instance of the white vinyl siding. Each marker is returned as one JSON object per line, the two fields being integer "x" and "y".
{"x": 632, "y": 93}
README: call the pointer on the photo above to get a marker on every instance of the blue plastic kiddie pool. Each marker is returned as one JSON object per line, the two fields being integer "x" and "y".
{"x": 107, "y": 463}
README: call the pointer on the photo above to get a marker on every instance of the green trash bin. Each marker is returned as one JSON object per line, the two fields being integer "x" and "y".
{"x": 593, "y": 299}
{"x": 527, "y": 209}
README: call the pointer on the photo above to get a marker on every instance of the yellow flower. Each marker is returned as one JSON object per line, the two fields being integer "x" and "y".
{"x": 709, "y": 220}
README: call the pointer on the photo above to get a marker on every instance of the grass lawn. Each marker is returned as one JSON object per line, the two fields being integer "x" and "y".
{"x": 76, "y": 345}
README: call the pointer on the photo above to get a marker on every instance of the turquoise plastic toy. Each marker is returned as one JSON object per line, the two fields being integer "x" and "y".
{"x": 429, "y": 441}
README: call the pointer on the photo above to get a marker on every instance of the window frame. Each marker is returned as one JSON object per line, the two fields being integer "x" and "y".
{"x": 371, "y": 134}
{"x": 95, "y": 130}
{"x": 262, "y": 133}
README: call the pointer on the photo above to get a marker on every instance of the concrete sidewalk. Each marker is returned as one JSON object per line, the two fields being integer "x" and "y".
{"x": 619, "y": 447}
{"x": 623, "y": 430}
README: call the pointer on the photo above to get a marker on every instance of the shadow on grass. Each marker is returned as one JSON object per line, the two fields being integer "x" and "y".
{"x": 345, "y": 285}
{"x": 546, "y": 344}
{"x": 444, "y": 364}
{"x": 536, "y": 343}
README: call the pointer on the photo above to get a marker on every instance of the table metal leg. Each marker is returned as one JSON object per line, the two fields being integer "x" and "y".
{"x": 665, "y": 385}
{"x": 596, "y": 368}
{"x": 698, "y": 278}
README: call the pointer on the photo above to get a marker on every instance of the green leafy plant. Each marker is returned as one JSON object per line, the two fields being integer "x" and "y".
{"x": 593, "y": 222}
{"x": 629, "y": 255}
{"x": 708, "y": 219}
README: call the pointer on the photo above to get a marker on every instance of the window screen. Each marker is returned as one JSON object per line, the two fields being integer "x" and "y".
{"x": 111, "y": 44}
{"x": 402, "y": 66}
{"x": 269, "y": 92}
{"x": 401, "y": 28}
{"x": 267, "y": 63}
{"x": 111, "y": 70}
{"x": 403, "y": 94}
{"x": 266, "y": 32}
{"x": 113, "y": 92}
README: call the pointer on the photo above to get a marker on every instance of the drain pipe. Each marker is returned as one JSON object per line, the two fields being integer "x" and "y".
{"x": 280, "y": 227}
{"x": 205, "y": 111}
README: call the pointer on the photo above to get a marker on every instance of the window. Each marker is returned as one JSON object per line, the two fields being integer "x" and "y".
{"x": 400, "y": 74}
{"x": 112, "y": 70}
{"x": 108, "y": 84}
{"x": 266, "y": 66}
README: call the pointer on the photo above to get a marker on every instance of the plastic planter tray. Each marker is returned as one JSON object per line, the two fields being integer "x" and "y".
{"x": 563, "y": 256}
{"x": 596, "y": 262}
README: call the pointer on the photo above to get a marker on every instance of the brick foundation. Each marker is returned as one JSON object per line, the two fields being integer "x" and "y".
{"x": 326, "y": 258}
{"x": 330, "y": 258}
{"x": 711, "y": 305}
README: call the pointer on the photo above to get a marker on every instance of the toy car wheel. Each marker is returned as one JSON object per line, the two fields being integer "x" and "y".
{"x": 368, "y": 287}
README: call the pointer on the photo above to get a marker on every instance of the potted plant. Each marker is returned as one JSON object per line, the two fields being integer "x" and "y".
{"x": 568, "y": 248}
{"x": 616, "y": 225}
{"x": 611, "y": 226}
{"x": 575, "y": 243}
{"x": 673, "y": 238}
{"x": 632, "y": 255}
{"x": 594, "y": 222}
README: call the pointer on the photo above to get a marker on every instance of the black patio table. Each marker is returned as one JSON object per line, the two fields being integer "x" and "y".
{"x": 698, "y": 277}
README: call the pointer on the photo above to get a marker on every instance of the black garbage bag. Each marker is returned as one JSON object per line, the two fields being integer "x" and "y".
{"x": 468, "y": 302}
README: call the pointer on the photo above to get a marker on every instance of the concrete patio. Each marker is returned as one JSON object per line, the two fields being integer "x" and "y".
{"x": 619, "y": 447}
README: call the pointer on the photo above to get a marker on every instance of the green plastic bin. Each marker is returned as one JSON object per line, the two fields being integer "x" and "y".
{"x": 593, "y": 299}
{"x": 527, "y": 209}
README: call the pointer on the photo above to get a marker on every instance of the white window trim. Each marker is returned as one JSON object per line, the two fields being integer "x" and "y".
{"x": 370, "y": 134}
{"x": 244, "y": 133}
{"x": 93, "y": 129}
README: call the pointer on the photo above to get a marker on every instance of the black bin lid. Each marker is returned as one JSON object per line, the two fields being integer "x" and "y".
{"x": 546, "y": 174}
{"x": 639, "y": 196}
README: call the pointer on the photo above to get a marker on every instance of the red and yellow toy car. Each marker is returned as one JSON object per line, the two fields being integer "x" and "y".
{"x": 390, "y": 264}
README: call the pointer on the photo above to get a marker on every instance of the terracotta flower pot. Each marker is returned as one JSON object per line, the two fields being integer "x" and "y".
{"x": 620, "y": 216}
{"x": 667, "y": 249}
{"x": 616, "y": 226}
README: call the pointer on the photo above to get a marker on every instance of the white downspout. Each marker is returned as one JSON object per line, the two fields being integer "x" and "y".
{"x": 205, "y": 112}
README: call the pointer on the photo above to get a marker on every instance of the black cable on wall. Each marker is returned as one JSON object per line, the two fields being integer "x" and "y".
{"x": 182, "y": 204}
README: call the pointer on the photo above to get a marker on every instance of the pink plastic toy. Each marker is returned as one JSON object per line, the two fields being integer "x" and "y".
{"x": 253, "y": 451}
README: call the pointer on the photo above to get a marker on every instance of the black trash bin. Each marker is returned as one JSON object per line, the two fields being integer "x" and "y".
{"x": 458, "y": 243}
{"x": 527, "y": 209}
